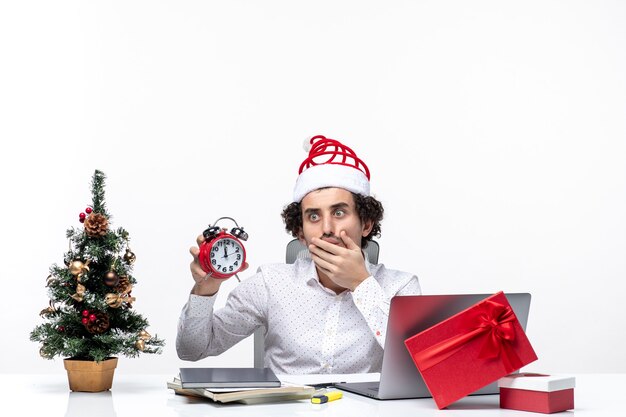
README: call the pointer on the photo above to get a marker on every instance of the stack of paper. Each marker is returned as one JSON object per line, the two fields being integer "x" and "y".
{"x": 285, "y": 392}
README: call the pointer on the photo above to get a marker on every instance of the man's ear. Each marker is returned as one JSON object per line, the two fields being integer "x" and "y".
{"x": 367, "y": 228}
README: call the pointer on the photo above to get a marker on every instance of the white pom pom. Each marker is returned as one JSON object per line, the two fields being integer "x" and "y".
{"x": 306, "y": 144}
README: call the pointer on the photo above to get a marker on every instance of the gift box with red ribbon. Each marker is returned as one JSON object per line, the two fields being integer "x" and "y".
{"x": 537, "y": 392}
{"x": 470, "y": 350}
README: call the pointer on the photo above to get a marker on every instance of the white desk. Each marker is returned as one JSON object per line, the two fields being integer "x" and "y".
{"x": 147, "y": 395}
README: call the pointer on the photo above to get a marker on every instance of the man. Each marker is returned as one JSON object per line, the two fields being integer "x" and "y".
{"x": 323, "y": 314}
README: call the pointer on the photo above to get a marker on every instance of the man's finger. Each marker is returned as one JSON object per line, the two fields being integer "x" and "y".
{"x": 196, "y": 271}
{"x": 327, "y": 246}
{"x": 347, "y": 240}
{"x": 321, "y": 252}
{"x": 321, "y": 263}
{"x": 194, "y": 251}
{"x": 200, "y": 240}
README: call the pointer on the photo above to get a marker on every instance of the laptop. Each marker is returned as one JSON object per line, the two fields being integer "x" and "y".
{"x": 409, "y": 315}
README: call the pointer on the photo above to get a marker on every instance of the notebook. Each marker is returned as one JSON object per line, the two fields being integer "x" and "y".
{"x": 228, "y": 378}
{"x": 409, "y": 315}
{"x": 286, "y": 392}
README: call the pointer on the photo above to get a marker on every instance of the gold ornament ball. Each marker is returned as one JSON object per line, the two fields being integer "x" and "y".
{"x": 43, "y": 353}
{"x": 129, "y": 256}
{"x": 77, "y": 267}
{"x": 144, "y": 335}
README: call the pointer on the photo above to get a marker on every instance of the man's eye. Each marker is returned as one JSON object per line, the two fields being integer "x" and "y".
{"x": 314, "y": 217}
{"x": 340, "y": 213}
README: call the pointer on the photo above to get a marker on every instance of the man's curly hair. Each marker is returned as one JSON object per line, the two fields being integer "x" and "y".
{"x": 368, "y": 208}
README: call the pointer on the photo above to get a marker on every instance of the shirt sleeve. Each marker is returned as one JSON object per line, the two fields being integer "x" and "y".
{"x": 204, "y": 332}
{"x": 373, "y": 302}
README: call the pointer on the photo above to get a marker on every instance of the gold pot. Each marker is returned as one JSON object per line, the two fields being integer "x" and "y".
{"x": 90, "y": 376}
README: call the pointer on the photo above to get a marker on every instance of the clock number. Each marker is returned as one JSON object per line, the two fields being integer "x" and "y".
{"x": 230, "y": 268}
{"x": 213, "y": 261}
{"x": 238, "y": 256}
{"x": 237, "y": 249}
{"x": 215, "y": 249}
{"x": 236, "y": 263}
{"x": 224, "y": 269}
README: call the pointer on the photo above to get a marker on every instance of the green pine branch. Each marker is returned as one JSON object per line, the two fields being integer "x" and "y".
{"x": 97, "y": 192}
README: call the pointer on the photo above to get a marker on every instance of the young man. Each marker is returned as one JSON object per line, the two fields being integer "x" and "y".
{"x": 323, "y": 314}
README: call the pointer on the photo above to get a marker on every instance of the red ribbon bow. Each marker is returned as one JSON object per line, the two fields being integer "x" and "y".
{"x": 492, "y": 322}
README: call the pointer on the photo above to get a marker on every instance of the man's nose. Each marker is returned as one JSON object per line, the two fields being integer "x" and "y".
{"x": 327, "y": 225}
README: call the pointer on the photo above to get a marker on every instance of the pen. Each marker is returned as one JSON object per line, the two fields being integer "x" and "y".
{"x": 324, "y": 398}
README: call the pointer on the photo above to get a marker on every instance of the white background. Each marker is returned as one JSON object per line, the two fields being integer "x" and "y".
{"x": 495, "y": 133}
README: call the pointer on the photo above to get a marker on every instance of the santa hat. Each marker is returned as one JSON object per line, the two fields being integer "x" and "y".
{"x": 331, "y": 164}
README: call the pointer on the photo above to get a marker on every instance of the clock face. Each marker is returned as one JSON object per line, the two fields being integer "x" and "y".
{"x": 227, "y": 256}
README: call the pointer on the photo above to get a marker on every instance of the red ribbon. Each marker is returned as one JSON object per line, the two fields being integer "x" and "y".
{"x": 330, "y": 151}
{"x": 490, "y": 321}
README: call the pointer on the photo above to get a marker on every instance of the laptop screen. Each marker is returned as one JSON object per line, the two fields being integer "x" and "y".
{"x": 411, "y": 314}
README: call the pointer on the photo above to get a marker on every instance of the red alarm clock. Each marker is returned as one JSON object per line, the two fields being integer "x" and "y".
{"x": 222, "y": 254}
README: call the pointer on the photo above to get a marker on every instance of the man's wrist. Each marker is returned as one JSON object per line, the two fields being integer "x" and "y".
{"x": 358, "y": 282}
{"x": 206, "y": 288}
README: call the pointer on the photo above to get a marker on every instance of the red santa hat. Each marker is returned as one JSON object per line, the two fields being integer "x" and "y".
{"x": 331, "y": 164}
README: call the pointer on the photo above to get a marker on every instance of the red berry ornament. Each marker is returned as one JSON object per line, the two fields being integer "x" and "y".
{"x": 85, "y": 320}
{"x": 88, "y": 210}
{"x": 82, "y": 216}
{"x": 92, "y": 317}
{"x": 85, "y": 313}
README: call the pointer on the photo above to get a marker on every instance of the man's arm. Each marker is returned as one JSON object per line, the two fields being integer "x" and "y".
{"x": 373, "y": 301}
{"x": 201, "y": 332}
{"x": 346, "y": 268}
{"x": 204, "y": 332}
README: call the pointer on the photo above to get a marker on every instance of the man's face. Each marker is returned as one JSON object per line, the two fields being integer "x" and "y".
{"x": 326, "y": 212}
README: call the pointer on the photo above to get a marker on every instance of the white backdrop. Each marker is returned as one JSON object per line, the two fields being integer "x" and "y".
{"x": 495, "y": 133}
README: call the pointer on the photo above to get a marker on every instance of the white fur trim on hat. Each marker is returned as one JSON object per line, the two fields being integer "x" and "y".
{"x": 331, "y": 175}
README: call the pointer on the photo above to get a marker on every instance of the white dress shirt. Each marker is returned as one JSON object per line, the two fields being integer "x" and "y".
{"x": 309, "y": 328}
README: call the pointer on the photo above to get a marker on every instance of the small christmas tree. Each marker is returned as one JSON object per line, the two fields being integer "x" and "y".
{"x": 90, "y": 314}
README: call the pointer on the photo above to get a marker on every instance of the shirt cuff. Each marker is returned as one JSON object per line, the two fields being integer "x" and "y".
{"x": 370, "y": 299}
{"x": 200, "y": 305}
{"x": 368, "y": 294}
